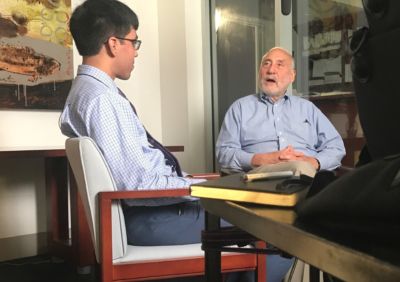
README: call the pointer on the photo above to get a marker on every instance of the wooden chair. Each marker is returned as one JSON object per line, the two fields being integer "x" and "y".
{"x": 118, "y": 260}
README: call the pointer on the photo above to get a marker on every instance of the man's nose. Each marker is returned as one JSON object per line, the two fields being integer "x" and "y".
{"x": 271, "y": 68}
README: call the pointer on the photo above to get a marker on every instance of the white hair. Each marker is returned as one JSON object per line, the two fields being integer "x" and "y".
{"x": 281, "y": 49}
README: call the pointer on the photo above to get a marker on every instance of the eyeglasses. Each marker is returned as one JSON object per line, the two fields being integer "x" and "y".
{"x": 135, "y": 42}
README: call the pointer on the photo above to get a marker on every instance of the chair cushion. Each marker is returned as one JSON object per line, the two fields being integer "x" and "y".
{"x": 146, "y": 253}
{"x": 151, "y": 253}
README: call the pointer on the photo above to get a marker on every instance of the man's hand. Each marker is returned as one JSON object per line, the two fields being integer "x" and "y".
{"x": 284, "y": 155}
{"x": 313, "y": 161}
{"x": 289, "y": 154}
{"x": 265, "y": 158}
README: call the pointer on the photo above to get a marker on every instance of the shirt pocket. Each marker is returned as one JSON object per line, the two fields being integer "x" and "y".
{"x": 303, "y": 131}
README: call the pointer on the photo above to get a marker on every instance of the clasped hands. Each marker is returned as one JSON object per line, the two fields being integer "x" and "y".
{"x": 284, "y": 155}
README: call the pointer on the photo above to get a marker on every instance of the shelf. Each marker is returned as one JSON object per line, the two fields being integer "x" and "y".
{"x": 332, "y": 96}
{"x": 320, "y": 50}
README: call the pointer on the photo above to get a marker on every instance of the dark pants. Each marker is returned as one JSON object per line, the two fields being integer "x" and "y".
{"x": 165, "y": 225}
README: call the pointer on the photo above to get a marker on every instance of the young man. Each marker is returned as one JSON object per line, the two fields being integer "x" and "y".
{"x": 105, "y": 34}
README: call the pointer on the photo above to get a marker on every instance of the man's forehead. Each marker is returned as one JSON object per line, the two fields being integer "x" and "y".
{"x": 276, "y": 55}
{"x": 133, "y": 33}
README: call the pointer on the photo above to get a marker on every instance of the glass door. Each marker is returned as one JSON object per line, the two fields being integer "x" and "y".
{"x": 241, "y": 32}
{"x": 321, "y": 31}
{"x": 317, "y": 32}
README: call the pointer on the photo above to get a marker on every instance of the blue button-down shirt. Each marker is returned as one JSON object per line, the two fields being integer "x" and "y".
{"x": 255, "y": 124}
{"x": 94, "y": 108}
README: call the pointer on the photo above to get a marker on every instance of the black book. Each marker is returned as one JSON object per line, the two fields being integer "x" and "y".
{"x": 284, "y": 191}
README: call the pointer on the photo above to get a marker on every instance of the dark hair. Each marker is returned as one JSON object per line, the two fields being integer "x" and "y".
{"x": 94, "y": 21}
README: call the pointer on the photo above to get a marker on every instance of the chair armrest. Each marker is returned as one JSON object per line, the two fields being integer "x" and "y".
{"x": 143, "y": 194}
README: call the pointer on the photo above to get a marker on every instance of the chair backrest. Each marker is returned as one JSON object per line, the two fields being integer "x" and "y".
{"x": 92, "y": 176}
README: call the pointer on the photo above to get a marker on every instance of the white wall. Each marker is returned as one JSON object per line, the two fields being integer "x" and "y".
{"x": 143, "y": 88}
{"x": 166, "y": 88}
{"x": 167, "y": 85}
{"x": 182, "y": 79}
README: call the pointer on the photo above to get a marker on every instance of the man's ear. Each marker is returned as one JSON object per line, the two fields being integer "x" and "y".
{"x": 293, "y": 75}
{"x": 111, "y": 46}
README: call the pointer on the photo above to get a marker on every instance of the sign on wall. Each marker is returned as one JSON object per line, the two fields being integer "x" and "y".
{"x": 36, "y": 63}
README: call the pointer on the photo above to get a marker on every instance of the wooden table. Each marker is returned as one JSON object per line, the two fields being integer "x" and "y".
{"x": 349, "y": 260}
{"x": 76, "y": 247}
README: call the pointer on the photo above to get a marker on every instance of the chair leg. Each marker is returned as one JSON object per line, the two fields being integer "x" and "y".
{"x": 261, "y": 273}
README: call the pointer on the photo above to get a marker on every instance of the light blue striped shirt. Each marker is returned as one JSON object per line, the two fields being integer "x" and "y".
{"x": 94, "y": 108}
{"x": 254, "y": 124}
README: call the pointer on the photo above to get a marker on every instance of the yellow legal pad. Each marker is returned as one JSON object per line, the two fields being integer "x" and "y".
{"x": 285, "y": 192}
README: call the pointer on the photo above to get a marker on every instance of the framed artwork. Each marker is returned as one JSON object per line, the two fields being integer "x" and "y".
{"x": 36, "y": 62}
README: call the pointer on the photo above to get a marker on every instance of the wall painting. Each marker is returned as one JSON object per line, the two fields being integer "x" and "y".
{"x": 36, "y": 63}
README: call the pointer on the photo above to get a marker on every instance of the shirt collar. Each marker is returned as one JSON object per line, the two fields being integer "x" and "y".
{"x": 99, "y": 75}
{"x": 266, "y": 99}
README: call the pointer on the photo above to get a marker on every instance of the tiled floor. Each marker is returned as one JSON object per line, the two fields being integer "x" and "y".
{"x": 48, "y": 269}
{"x": 41, "y": 269}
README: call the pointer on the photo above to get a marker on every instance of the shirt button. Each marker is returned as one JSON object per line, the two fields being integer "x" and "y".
{"x": 280, "y": 133}
{"x": 283, "y": 139}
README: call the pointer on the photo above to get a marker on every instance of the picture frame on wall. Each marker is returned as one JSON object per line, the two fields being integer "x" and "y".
{"x": 36, "y": 61}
